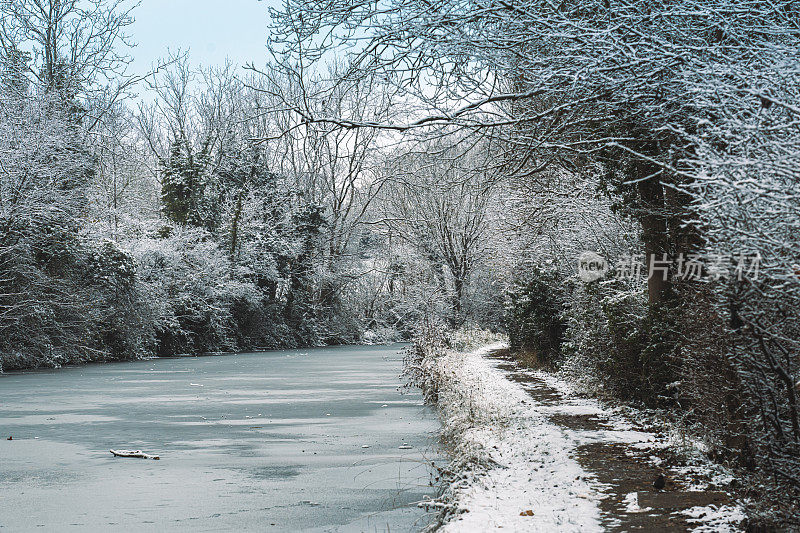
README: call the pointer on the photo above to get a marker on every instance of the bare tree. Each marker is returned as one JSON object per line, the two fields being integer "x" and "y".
{"x": 437, "y": 203}
{"x": 73, "y": 48}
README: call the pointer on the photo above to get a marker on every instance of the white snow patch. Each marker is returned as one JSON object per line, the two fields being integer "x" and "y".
{"x": 715, "y": 519}
{"x": 573, "y": 409}
{"x": 632, "y": 504}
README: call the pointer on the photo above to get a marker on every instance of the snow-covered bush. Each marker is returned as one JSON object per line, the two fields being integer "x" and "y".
{"x": 63, "y": 297}
{"x": 381, "y": 335}
{"x": 188, "y": 284}
{"x": 534, "y": 315}
{"x": 469, "y": 338}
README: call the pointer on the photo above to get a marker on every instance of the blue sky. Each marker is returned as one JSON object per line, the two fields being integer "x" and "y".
{"x": 209, "y": 29}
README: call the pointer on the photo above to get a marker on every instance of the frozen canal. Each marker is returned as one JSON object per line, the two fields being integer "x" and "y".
{"x": 261, "y": 441}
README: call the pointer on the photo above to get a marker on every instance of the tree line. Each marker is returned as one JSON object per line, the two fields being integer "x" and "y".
{"x": 204, "y": 216}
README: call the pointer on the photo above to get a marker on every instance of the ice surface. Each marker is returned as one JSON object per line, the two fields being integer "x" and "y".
{"x": 218, "y": 468}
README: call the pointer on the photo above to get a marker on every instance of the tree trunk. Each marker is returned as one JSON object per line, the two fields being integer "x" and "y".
{"x": 458, "y": 293}
{"x": 654, "y": 231}
{"x": 237, "y": 215}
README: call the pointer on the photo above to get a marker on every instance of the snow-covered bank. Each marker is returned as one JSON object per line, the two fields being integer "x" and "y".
{"x": 512, "y": 460}
{"x": 514, "y": 467}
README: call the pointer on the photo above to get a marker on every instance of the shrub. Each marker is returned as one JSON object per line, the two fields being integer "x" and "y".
{"x": 534, "y": 315}
{"x": 619, "y": 343}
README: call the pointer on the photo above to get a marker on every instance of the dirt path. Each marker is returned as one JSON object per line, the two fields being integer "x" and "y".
{"x": 626, "y": 471}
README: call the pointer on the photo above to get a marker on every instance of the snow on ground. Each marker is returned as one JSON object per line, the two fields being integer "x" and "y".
{"x": 515, "y": 467}
{"x": 714, "y": 519}
{"x": 706, "y": 474}
{"x": 516, "y": 460}
{"x": 632, "y": 503}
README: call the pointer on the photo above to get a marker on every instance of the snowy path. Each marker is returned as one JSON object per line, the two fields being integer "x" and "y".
{"x": 533, "y": 458}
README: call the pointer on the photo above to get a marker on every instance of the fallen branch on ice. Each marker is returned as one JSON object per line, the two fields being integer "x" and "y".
{"x": 134, "y": 453}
